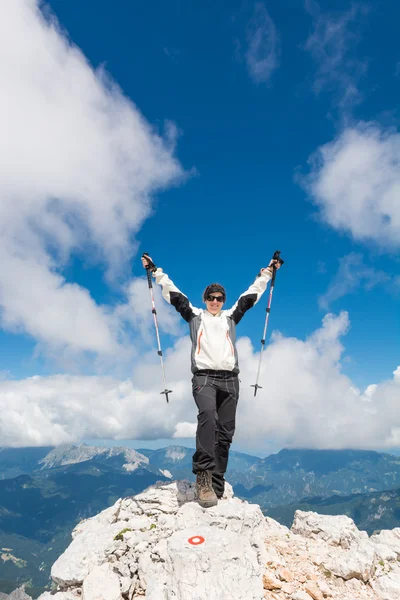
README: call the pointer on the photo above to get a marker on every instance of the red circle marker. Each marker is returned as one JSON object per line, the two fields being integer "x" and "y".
{"x": 196, "y": 540}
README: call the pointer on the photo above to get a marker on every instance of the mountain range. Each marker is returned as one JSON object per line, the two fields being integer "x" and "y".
{"x": 45, "y": 492}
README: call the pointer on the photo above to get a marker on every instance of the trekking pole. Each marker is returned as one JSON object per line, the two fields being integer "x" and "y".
{"x": 149, "y": 267}
{"x": 276, "y": 257}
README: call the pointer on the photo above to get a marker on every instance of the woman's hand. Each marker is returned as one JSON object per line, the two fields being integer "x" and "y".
{"x": 147, "y": 262}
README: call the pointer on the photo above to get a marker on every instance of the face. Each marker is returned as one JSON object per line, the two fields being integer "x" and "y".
{"x": 214, "y": 305}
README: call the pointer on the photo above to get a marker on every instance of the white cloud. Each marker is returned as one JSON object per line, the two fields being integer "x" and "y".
{"x": 331, "y": 44}
{"x": 352, "y": 274}
{"x": 263, "y": 50}
{"x": 355, "y": 181}
{"x": 79, "y": 165}
{"x": 185, "y": 430}
{"x": 306, "y": 400}
{"x": 137, "y": 312}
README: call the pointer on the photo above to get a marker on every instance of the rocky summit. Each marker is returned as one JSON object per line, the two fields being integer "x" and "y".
{"x": 161, "y": 545}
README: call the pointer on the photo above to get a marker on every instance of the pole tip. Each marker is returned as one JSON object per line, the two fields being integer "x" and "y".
{"x": 256, "y": 387}
{"x": 166, "y": 392}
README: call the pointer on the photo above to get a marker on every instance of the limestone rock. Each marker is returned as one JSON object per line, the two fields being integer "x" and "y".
{"x": 301, "y": 595}
{"x": 287, "y": 588}
{"x": 101, "y": 584}
{"x": 170, "y": 545}
{"x": 285, "y": 575}
{"x": 314, "y": 591}
{"x": 387, "y": 587}
{"x": 86, "y": 551}
{"x": 335, "y": 530}
{"x": 389, "y": 538}
{"x": 68, "y": 595}
{"x": 270, "y": 582}
{"x": 273, "y": 557}
{"x": 17, "y": 594}
{"x": 325, "y": 589}
{"x": 161, "y": 545}
{"x": 358, "y": 562}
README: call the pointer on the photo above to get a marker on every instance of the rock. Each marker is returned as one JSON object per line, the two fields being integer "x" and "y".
{"x": 272, "y": 527}
{"x": 314, "y": 591}
{"x": 101, "y": 584}
{"x": 357, "y": 562}
{"x": 325, "y": 589}
{"x": 133, "y": 586}
{"x": 287, "y": 588}
{"x": 171, "y": 545}
{"x": 383, "y": 551}
{"x": 18, "y": 594}
{"x": 270, "y": 582}
{"x": 284, "y": 575}
{"x": 165, "y": 498}
{"x": 301, "y": 595}
{"x": 85, "y": 552}
{"x": 161, "y": 544}
{"x": 387, "y": 587}
{"x": 125, "y": 584}
{"x": 335, "y": 530}
{"x": 104, "y": 518}
{"x": 192, "y": 571}
{"x": 68, "y": 595}
{"x": 388, "y": 538}
{"x": 273, "y": 557}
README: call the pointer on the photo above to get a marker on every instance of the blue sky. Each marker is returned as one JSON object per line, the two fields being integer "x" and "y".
{"x": 273, "y": 121}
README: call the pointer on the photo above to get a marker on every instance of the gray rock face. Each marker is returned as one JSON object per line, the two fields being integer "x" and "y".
{"x": 161, "y": 545}
{"x": 18, "y": 594}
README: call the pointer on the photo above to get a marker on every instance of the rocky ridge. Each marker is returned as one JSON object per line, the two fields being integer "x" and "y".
{"x": 161, "y": 545}
{"x": 68, "y": 454}
{"x": 18, "y": 594}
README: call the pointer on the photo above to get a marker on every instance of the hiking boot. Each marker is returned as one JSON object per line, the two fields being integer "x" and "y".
{"x": 205, "y": 494}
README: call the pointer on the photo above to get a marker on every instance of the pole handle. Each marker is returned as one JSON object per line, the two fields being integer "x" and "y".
{"x": 150, "y": 262}
{"x": 149, "y": 281}
{"x": 149, "y": 268}
{"x": 277, "y": 257}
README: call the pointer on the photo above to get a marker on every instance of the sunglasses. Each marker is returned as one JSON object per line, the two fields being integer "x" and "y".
{"x": 210, "y": 298}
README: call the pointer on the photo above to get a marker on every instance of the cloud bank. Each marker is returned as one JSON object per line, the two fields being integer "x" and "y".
{"x": 306, "y": 400}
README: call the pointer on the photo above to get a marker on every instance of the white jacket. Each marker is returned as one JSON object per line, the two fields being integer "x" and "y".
{"x": 213, "y": 336}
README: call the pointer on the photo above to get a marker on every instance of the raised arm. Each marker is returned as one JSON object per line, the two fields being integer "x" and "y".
{"x": 174, "y": 296}
{"x": 170, "y": 292}
{"x": 251, "y": 296}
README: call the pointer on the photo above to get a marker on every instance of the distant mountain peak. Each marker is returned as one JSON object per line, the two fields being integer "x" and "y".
{"x": 176, "y": 453}
{"x": 67, "y": 454}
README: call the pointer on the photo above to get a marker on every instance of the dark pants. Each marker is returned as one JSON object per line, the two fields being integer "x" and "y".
{"x": 216, "y": 394}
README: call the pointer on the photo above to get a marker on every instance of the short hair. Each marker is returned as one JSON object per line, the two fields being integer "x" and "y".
{"x": 214, "y": 287}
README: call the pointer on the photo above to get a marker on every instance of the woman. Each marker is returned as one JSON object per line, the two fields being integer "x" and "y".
{"x": 215, "y": 371}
